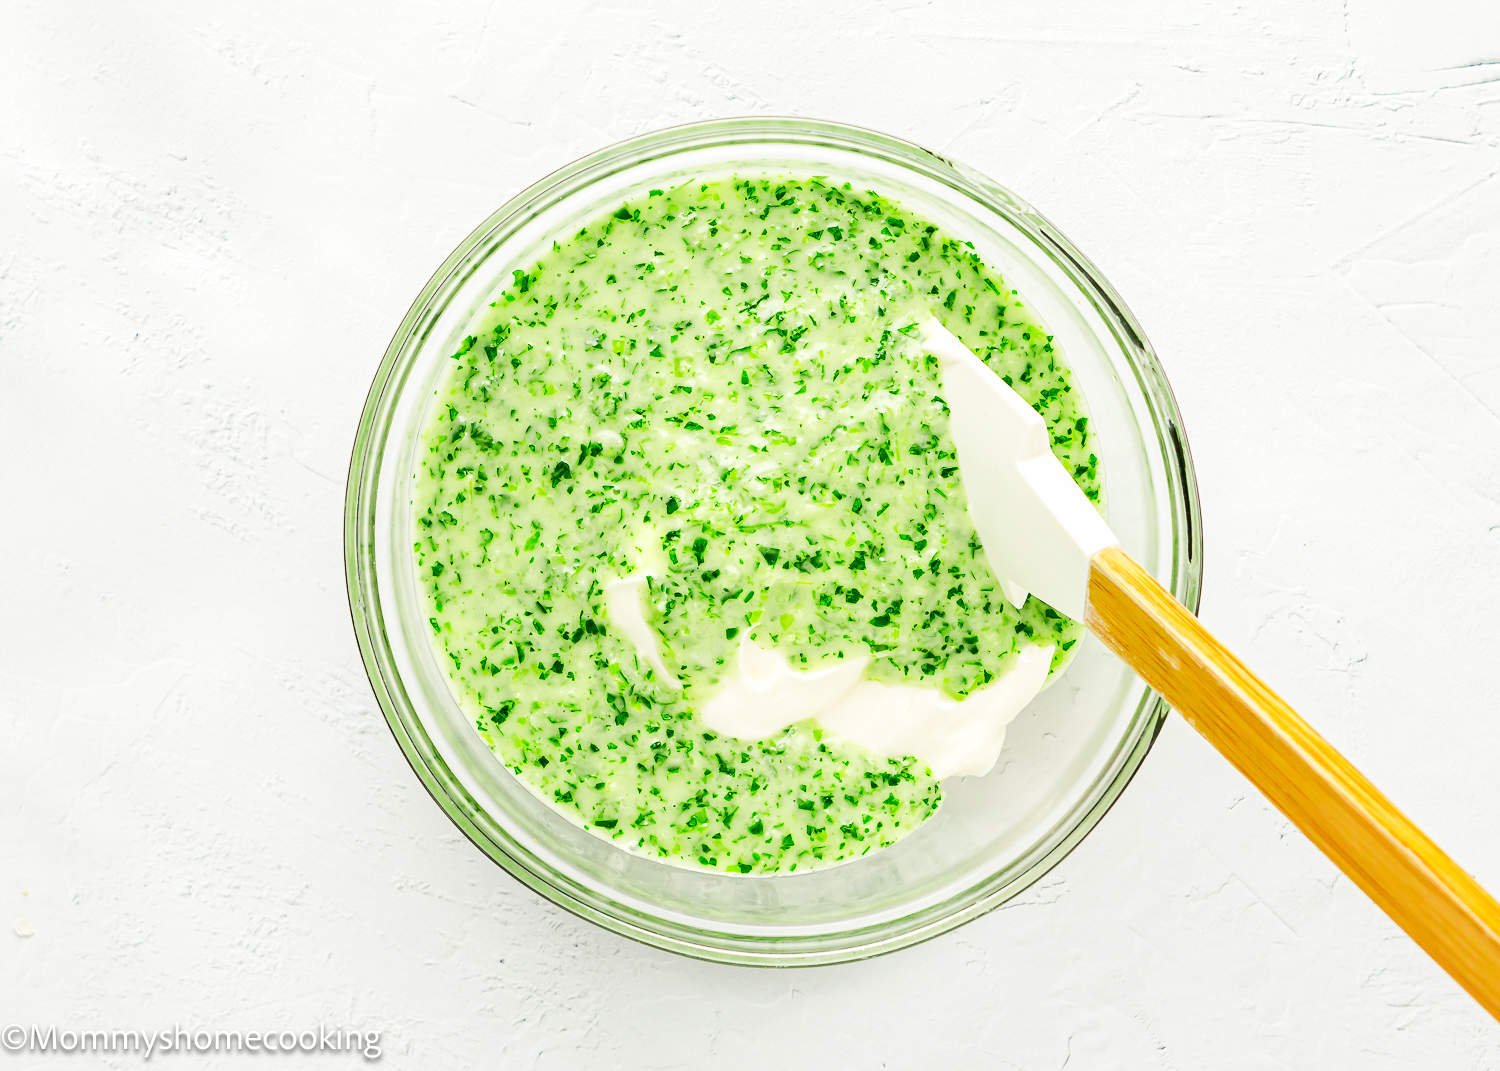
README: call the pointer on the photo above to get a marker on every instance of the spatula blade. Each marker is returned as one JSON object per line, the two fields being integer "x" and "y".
{"x": 1038, "y": 528}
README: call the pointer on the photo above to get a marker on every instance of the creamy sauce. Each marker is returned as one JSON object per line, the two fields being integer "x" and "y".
{"x": 693, "y": 534}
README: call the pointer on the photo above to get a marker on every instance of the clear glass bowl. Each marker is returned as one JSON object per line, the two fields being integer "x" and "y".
{"x": 1067, "y": 758}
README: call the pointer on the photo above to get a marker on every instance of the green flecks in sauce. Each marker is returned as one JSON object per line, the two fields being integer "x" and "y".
{"x": 716, "y": 385}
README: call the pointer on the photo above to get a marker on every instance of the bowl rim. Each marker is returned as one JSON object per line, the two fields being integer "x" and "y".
{"x": 360, "y": 495}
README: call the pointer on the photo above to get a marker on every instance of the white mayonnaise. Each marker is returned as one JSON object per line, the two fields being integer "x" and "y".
{"x": 763, "y": 694}
{"x": 624, "y": 602}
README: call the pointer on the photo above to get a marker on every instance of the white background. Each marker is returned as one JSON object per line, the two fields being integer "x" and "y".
{"x": 212, "y": 218}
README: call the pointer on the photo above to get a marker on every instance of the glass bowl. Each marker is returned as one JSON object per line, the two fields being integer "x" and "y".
{"x": 1066, "y": 759}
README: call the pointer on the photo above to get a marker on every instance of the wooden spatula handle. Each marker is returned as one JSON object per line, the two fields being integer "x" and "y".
{"x": 1405, "y": 873}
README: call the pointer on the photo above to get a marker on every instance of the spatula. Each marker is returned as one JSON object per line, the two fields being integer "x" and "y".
{"x": 1043, "y": 537}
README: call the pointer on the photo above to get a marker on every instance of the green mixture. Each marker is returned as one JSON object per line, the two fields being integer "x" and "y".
{"x": 716, "y": 385}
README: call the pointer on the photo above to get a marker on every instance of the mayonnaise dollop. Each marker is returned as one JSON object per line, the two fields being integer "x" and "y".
{"x": 625, "y": 605}
{"x": 764, "y": 694}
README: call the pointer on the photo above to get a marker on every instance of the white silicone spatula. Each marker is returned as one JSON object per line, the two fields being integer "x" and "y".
{"x": 1043, "y": 537}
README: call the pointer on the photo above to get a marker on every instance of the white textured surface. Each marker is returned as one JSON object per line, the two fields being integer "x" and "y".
{"x": 210, "y": 222}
